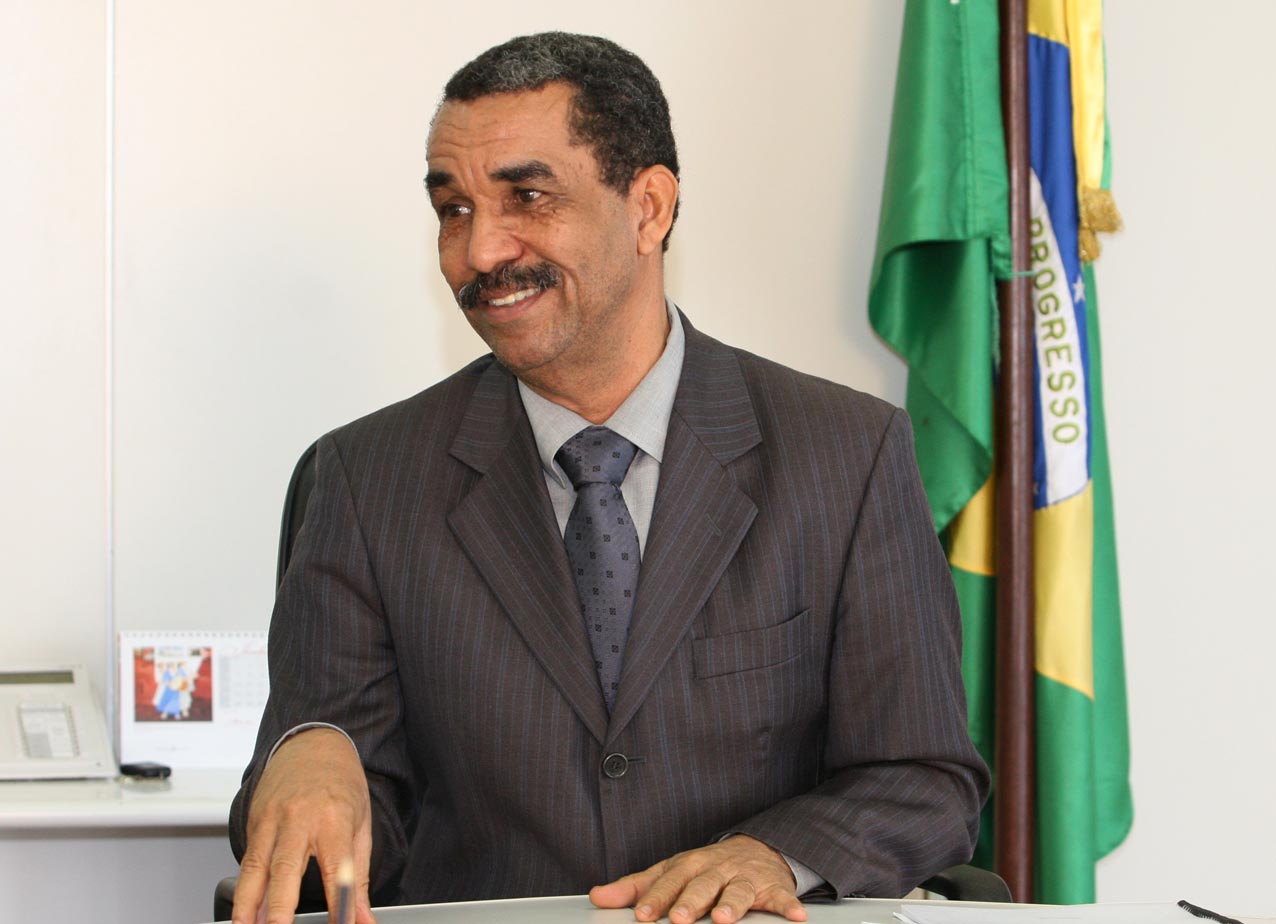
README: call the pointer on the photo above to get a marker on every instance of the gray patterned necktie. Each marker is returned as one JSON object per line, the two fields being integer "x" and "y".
{"x": 602, "y": 545}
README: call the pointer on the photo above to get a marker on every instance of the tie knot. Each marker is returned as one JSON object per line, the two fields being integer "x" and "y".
{"x": 596, "y": 455}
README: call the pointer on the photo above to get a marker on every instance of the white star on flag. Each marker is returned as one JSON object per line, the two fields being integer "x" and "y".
{"x": 1078, "y": 290}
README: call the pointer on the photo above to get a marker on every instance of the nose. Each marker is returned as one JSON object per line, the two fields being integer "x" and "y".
{"x": 492, "y": 242}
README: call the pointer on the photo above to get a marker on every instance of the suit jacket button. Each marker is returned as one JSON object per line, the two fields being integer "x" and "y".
{"x": 615, "y": 765}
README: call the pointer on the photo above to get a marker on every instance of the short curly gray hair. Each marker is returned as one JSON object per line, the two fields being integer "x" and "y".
{"x": 619, "y": 110}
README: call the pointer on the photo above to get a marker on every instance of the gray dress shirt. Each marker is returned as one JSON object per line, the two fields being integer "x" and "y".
{"x": 643, "y": 419}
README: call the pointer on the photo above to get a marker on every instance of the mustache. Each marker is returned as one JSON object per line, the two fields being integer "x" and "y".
{"x": 509, "y": 278}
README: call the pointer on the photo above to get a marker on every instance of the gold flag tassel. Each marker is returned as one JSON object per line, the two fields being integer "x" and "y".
{"x": 1098, "y": 213}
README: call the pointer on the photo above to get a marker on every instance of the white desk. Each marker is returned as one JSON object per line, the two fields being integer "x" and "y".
{"x": 576, "y": 909}
{"x": 189, "y": 798}
{"x": 116, "y": 852}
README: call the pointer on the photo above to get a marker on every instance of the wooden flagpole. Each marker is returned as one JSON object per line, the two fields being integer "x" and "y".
{"x": 1014, "y": 838}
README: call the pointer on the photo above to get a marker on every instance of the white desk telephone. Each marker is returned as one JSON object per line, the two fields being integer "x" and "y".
{"x": 51, "y": 726}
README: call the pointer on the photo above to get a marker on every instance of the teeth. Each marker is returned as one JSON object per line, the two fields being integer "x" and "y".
{"x": 512, "y": 299}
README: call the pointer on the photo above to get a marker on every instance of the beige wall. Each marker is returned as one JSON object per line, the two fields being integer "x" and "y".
{"x": 273, "y": 277}
{"x": 1188, "y": 330}
{"x": 53, "y": 491}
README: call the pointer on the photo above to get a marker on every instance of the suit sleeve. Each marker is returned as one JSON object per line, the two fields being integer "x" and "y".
{"x": 901, "y": 783}
{"x": 332, "y": 661}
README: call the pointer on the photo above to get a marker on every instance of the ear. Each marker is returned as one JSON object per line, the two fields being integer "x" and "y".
{"x": 654, "y": 193}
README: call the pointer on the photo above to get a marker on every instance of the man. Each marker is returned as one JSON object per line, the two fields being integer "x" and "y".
{"x": 743, "y": 689}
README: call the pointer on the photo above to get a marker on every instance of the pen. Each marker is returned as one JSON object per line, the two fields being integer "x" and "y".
{"x": 1205, "y": 913}
{"x": 345, "y": 887}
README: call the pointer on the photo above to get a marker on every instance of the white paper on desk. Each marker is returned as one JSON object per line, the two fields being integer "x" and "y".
{"x": 1142, "y": 913}
{"x": 191, "y": 699}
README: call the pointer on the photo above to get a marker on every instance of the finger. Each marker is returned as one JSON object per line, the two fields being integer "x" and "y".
{"x": 363, "y": 907}
{"x": 624, "y": 892}
{"x": 287, "y": 864}
{"x": 737, "y": 898}
{"x": 783, "y": 901}
{"x": 338, "y": 889}
{"x": 337, "y": 840}
{"x": 335, "y": 854}
{"x": 686, "y": 900}
{"x": 254, "y": 875}
{"x": 362, "y": 867}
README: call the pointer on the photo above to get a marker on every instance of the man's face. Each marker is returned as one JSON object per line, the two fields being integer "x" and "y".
{"x": 540, "y": 254}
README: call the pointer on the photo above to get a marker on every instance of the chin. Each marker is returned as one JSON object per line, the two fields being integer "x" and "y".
{"x": 523, "y": 354}
{"x": 517, "y": 358}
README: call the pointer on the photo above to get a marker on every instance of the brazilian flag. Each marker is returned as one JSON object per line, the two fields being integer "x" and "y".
{"x": 942, "y": 243}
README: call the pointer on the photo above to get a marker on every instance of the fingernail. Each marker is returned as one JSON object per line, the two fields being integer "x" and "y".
{"x": 644, "y": 911}
{"x": 727, "y": 910}
{"x": 681, "y": 911}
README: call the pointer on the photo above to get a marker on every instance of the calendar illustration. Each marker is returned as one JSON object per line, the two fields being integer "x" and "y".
{"x": 191, "y": 699}
{"x": 172, "y": 682}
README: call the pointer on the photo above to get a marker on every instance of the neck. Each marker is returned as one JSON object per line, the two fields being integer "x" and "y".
{"x": 595, "y": 389}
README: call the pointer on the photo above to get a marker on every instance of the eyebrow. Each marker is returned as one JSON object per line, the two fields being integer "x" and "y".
{"x": 514, "y": 173}
{"x": 521, "y": 173}
{"x": 436, "y": 178}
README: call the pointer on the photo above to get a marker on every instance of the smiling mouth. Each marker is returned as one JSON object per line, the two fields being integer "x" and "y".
{"x": 510, "y": 284}
{"x": 513, "y": 299}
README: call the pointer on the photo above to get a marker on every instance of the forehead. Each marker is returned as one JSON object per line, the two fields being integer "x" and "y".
{"x": 531, "y": 123}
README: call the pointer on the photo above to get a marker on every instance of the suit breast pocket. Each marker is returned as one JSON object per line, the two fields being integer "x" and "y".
{"x": 754, "y": 649}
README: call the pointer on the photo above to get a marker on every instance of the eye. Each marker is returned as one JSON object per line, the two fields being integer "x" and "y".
{"x": 452, "y": 210}
{"x": 527, "y": 196}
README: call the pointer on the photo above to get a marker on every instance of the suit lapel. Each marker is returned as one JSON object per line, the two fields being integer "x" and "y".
{"x": 507, "y": 527}
{"x": 700, "y": 518}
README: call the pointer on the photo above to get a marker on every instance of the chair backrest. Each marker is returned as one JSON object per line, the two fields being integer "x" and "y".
{"x": 968, "y": 884}
{"x": 299, "y": 488}
{"x": 300, "y": 485}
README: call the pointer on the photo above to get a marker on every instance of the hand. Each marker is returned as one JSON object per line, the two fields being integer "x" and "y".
{"x": 311, "y": 801}
{"x": 732, "y": 877}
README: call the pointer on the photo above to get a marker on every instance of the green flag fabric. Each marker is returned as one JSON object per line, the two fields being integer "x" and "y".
{"x": 943, "y": 241}
{"x": 942, "y": 237}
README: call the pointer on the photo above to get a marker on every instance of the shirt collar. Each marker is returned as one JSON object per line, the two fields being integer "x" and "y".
{"x": 643, "y": 418}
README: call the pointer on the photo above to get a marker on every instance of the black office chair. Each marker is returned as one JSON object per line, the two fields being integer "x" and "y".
{"x": 300, "y": 485}
{"x": 966, "y": 883}
{"x": 957, "y": 883}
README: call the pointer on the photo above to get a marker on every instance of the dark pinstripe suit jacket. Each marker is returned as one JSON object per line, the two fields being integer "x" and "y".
{"x": 792, "y": 670}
